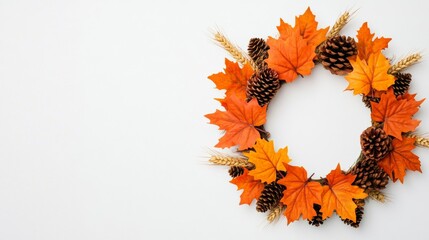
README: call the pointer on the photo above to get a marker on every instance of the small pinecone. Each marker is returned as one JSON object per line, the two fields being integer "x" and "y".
{"x": 402, "y": 83}
{"x": 375, "y": 143}
{"x": 258, "y": 52}
{"x": 263, "y": 85}
{"x": 368, "y": 99}
{"x": 235, "y": 171}
{"x": 316, "y": 220}
{"x": 359, "y": 213}
{"x": 369, "y": 175}
{"x": 270, "y": 196}
{"x": 334, "y": 54}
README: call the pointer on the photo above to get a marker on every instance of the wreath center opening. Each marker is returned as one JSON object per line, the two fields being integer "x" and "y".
{"x": 319, "y": 122}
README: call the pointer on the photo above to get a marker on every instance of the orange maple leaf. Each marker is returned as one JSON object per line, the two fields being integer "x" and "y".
{"x": 290, "y": 57}
{"x": 239, "y": 121}
{"x": 396, "y": 114}
{"x": 233, "y": 79}
{"x": 251, "y": 188}
{"x": 338, "y": 195}
{"x": 400, "y": 159}
{"x": 366, "y": 45}
{"x": 300, "y": 194}
{"x": 305, "y": 26}
{"x": 266, "y": 161}
{"x": 370, "y": 75}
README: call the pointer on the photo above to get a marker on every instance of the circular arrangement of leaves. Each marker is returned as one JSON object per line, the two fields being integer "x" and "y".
{"x": 266, "y": 175}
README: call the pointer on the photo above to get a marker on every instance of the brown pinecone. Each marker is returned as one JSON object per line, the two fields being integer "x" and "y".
{"x": 316, "y": 220}
{"x": 402, "y": 83}
{"x": 258, "y": 52}
{"x": 368, "y": 99}
{"x": 369, "y": 175}
{"x": 375, "y": 143}
{"x": 263, "y": 85}
{"x": 270, "y": 196}
{"x": 235, "y": 171}
{"x": 359, "y": 213}
{"x": 334, "y": 54}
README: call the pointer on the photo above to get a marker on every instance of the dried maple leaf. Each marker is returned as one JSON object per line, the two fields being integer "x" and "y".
{"x": 338, "y": 195}
{"x": 239, "y": 121}
{"x": 300, "y": 194}
{"x": 400, "y": 159}
{"x": 366, "y": 45}
{"x": 251, "y": 188}
{"x": 307, "y": 26}
{"x": 233, "y": 79}
{"x": 290, "y": 57}
{"x": 266, "y": 160}
{"x": 370, "y": 75}
{"x": 396, "y": 114}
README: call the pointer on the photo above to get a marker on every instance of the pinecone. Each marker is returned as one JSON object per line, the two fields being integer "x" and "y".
{"x": 369, "y": 175}
{"x": 359, "y": 213}
{"x": 402, "y": 83}
{"x": 280, "y": 175}
{"x": 316, "y": 220}
{"x": 263, "y": 85}
{"x": 334, "y": 54}
{"x": 375, "y": 143}
{"x": 368, "y": 99}
{"x": 270, "y": 196}
{"x": 235, "y": 171}
{"x": 258, "y": 52}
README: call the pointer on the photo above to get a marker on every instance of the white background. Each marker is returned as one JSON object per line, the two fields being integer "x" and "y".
{"x": 102, "y": 134}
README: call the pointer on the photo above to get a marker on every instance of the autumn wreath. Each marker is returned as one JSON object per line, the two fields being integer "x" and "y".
{"x": 267, "y": 175}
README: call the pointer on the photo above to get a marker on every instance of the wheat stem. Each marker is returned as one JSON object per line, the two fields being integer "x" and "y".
{"x": 377, "y": 195}
{"x": 404, "y": 63}
{"x": 420, "y": 141}
{"x": 276, "y": 212}
{"x": 339, "y": 24}
{"x": 233, "y": 50}
{"x": 231, "y": 161}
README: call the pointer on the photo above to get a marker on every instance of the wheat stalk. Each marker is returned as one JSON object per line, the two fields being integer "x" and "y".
{"x": 339, "y": 24}
{"x": 275, "y": 212}
{"x": 231, "y": 161}
{"x": 377, "y": 195}
{"x": 420, "y": 141}
{"x": 233, "y": 50}
{"x": 404, "y": 63}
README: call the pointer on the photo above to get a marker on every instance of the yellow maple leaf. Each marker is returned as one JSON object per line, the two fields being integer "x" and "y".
{"x": 370, "y": 75}
{"x": 267, "y": 161}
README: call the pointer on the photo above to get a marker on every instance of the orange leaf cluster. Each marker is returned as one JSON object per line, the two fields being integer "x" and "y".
{"x": 239, "y": 121}
{"x": 233, "y": 79}
{"x": 302, "y": 193}
{"x": 293, "y": 53}
{"x": 267, "y": 161}
{"x": 400, "y": 159}
{"x": 251, "y": 188}
{"x": 370, "y": 66}
{"x": 396, "y": 114}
